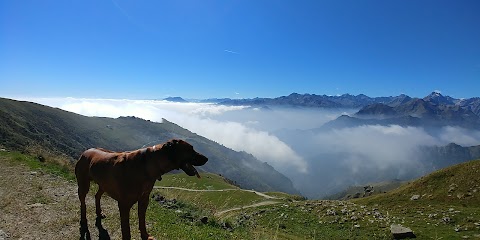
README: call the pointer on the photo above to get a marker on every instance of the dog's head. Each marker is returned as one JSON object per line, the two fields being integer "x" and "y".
{"x": 183, "y": 156}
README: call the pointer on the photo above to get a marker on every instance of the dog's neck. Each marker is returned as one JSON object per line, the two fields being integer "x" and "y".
{"x": 155, "y": 157}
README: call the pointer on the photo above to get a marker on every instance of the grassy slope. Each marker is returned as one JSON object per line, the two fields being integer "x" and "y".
{"x": 59, "y": 215}
{"x": 359, "y": 191}
{"x": 25, "y": 125}
{"x": 437, "y": 214}
{"x": 208, "y": 181}
{"x": 448, "y": 207}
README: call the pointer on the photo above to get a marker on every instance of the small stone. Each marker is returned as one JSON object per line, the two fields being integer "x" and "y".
{"x": 400, "y": 232}
{"x": 35, "y": 205}
{"x": 331, "y": 212}
{"x": 3, "y": 235}
{"x": 415, "y": 197}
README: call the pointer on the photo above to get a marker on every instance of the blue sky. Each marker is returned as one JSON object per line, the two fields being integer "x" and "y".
{"x": 239, "y": 49}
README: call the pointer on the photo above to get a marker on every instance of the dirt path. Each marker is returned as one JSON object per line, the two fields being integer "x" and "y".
{"x": 218, "y": 190}
{"x": 35, "y": 205}
{"x": 220, "y": 213}
{"x": 264, "y": 203}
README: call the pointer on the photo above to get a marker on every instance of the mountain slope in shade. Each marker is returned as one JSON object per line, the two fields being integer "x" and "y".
{"x": 25, "y": 124}
{"x": 472, "y": 104}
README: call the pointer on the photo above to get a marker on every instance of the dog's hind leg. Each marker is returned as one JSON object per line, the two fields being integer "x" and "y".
{"x": 98, "y": 196}
{"x": 83, "y": 187}
{"x": 83, "y": 181}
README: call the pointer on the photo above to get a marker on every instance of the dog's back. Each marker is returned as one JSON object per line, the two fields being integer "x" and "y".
{"x": 96, "y": 163}
{"x": 89, "y": 158}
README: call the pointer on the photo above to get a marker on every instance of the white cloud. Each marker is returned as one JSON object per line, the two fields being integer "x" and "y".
{"x": 197, "y": 117}
{"x": 460, "y": 136}
{"x": 382, "y": 146}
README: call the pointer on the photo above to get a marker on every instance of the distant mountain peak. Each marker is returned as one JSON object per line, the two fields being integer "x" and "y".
{"x": 175, "y": 99}
{"x": 437, "y": 98}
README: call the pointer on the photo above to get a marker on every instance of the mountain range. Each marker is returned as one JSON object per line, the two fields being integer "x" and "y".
{"x": 355, "y": 101}
{"x": 25, "y": 125}
{"x": 434, "y": 110}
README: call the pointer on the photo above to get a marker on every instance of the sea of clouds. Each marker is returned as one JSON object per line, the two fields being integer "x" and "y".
{"x": 316, "y": 161}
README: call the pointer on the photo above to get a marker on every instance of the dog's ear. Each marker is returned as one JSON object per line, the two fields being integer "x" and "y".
{"x": 172, "y": 142}
{"x": 169, "y": 148}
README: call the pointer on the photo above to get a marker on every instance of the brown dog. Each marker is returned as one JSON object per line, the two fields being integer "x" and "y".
{"x": 128, "y": 177}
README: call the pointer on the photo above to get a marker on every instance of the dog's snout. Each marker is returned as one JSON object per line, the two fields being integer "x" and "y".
{"x": 199, "y": 160}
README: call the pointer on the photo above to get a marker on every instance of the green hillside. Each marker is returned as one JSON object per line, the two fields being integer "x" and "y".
{"x": 366, "y": 190}
{"x": 448, "y": 207}
{"x": 184, "y": 207}
{"x": 31, "y": 127}
{"x": 456, "y": 185}
{"x": 445, "y": 203}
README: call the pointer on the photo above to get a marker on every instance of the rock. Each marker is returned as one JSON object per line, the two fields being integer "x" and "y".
{"x": 227, "y": 226}
{"x": 3, "y": 235}
{"x": 35, "y": 205}
{"x": 41, "y": 158}
{"x": 452, "y": 187}
{"x": 400, "y": 232}
{"x": 331, "y": 212}
{"x": 415, "y": 197}
{"x": 158, "y": 198}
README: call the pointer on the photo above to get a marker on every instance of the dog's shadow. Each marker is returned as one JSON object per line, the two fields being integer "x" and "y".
{"x": 102, "y": 232}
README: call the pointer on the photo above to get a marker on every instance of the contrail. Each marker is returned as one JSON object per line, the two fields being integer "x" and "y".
{"x": 232, "y": 52}
{"x": 130, "y": 18}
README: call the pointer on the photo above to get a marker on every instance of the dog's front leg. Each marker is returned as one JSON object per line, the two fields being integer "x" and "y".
{"x": 142, "y": 209}
{"x": 125, "y": 219}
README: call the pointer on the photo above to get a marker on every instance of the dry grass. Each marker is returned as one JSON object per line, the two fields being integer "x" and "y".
{"x": 37, "y": 205}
